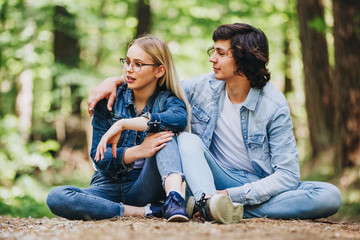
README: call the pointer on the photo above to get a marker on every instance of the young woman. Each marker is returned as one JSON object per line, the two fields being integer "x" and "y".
{"x": 134, "y": 149}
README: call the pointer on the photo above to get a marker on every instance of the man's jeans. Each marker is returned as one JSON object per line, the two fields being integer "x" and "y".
{"x": 105, "y": 198}
{"x": 310, "y": 200}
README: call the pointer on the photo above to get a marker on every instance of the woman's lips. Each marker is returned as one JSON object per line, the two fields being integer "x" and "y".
{"x": 130, "y": 79}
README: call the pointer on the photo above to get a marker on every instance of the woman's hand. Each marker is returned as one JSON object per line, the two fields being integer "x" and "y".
{"x": 148, "y": 148}
{"x": 154, "y": 142}
{"x": 225, "y": 192}
{"x": 112, "y": 136}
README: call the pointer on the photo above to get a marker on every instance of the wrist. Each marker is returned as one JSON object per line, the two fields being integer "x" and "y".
{"x": 132, "y": 154}
{"x": 120, "y": 125}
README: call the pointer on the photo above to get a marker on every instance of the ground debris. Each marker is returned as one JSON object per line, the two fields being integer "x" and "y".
{"x": 151, "y": 229}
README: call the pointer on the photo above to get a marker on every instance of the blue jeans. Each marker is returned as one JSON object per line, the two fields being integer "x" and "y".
{"x": 310, "y": 200}
{"x": 105, "y": 198}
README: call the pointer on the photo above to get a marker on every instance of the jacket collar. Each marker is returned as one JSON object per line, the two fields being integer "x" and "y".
{"x": 214, "y": 83}
{"x": 129, "y": 97}
{"x": 252, "y": 99}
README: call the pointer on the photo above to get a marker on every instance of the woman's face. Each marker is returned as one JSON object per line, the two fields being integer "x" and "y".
{"x": 148, "y": 75}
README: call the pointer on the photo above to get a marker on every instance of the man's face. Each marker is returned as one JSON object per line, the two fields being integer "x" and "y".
{"x": 223, "y": 62}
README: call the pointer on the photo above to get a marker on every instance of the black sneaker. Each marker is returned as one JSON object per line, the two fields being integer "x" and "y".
{"x": 174, "y": 209}
{"x": 218, "y": 208}
{"x": 156, "y": 210}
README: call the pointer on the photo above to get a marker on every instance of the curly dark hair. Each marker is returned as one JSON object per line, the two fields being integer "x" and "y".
{"x": 250, "y": 49}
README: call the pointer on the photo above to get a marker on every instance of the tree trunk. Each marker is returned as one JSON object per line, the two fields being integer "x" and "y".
{"x": 288, "y": 86}
{"x": 347, "y": 82}
{"x": 102, "y": 18}
{"x": 24, "y": 103}
{"x": 66, "y": 53}
{"x": 144, "y": 17}
{"x": 318, "y": 84}
{"x": 66, "y": 47}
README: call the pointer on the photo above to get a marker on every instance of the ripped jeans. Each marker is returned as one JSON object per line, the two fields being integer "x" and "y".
{"x": 105, "y": 198}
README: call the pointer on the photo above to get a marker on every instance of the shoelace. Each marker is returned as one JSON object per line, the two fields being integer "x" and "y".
{"x": 174, "y": 198}
{"x": 203, "y": 209}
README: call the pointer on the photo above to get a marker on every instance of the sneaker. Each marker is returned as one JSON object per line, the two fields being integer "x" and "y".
{"x": 174, "y": 209}
{"x": 155, "y": 210}
{"x": 218, "y": 208}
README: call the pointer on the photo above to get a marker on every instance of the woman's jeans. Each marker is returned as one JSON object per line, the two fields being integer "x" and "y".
{"x": 310, "y": 200}
{"x": 105, "y": 198}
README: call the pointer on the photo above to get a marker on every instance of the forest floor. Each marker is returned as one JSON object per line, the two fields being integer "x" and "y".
{"x": 153, "y": 229}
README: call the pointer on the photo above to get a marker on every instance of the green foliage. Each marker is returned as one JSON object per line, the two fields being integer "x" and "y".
{"x": 25, "y": 207}
{"x": 20, "y": 191}
{"x": 318, "y": 24}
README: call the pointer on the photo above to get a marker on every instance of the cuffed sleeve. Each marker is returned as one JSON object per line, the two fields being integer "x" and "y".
{"x": 109, "y": 165}
{"x": 173, "y": 117}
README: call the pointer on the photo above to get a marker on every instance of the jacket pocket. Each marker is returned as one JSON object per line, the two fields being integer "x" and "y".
{"x": 199, "y": 120}
{"x": 258, "y": 146}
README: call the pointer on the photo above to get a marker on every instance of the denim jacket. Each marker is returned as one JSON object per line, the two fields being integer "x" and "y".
{"x": 165, "y": 111}
{"x": 267, "y": 133}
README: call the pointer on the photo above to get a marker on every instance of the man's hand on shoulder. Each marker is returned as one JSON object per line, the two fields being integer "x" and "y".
{"x": 106, "y": 89}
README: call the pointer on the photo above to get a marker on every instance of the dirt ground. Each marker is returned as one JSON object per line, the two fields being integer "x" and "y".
{"x": 152, "y": 229}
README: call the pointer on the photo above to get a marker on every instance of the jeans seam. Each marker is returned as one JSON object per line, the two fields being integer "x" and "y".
{"x": 95, "y": 198}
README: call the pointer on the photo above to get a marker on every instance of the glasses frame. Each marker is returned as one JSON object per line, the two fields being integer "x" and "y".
{"x": 124, "y": 63}
{"x": 210, "y": 51}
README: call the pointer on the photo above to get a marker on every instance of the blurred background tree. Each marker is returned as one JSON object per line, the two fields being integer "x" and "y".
{"x": 52, "y": 53}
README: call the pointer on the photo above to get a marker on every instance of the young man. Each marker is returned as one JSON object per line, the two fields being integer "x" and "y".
{"x": 242, "y": 142}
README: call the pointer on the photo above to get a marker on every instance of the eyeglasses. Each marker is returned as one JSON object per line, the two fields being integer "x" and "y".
{"x": 211, "y": 51}
{"x": 136, "y": 66}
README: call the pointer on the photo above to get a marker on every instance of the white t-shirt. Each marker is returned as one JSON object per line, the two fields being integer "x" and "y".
{"x": 227, "y": 144}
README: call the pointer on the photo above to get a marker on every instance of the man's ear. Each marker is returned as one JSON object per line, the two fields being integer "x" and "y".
{"x": 161, "y": 71}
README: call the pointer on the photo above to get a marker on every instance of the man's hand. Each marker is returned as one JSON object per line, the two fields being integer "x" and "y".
{"x": 106, "y": 89}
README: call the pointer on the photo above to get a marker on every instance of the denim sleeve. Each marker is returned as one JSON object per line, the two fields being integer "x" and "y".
{"x": 284, "y": 162}
{"x": 108, "y": 166}
{"x": 188, "y": 86}
{"x": 172, "y": 118}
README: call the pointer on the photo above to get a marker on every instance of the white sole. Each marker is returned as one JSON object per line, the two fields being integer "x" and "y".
{"x": 190, "y": 206}
{"x": 224, "y": 211}
{"x": 178, "y": 218}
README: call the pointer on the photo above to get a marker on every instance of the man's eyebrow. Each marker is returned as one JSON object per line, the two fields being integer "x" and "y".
{"x": 219, "y": 48}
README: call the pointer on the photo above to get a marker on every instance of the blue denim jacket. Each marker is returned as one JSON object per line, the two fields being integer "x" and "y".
{"x": 166, "y": 112}
{"x": 267, "y": 133}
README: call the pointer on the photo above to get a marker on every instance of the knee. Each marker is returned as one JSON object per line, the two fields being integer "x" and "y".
{"x": 330, "y": 200}
{"x": 56, "y": 199}
{"x": 334, "y": 198}
{"x": 187, "y": 141}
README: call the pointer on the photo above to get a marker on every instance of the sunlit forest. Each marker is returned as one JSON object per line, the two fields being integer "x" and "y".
{"x": 54, "y": 52}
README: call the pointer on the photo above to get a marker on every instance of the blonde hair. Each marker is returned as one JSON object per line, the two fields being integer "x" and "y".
{"x": 158, "y": 50}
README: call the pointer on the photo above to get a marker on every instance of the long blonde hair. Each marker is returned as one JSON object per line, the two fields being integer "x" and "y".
{"x": 158, "y": 50}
